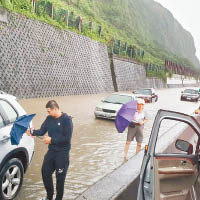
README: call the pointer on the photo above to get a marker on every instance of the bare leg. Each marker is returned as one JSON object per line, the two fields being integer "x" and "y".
{"x": 126, "y": 149}
{"x": 138, "y": 148}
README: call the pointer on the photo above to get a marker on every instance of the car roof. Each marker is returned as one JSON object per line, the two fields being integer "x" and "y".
{"x": 146, "y": 89}
{"x": 6, "y": 96}
{"x": 191, "y": 89}
{"x": 124, "y": 94}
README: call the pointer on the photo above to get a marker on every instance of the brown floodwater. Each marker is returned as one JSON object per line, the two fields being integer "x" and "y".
{"x": 97, "y": 148}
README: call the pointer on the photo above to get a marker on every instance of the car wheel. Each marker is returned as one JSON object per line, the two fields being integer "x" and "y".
{"x": 11, "y": 178}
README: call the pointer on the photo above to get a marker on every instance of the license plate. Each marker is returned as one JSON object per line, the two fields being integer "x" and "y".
{"x": 107, "y": 115}
{"x": 188, "y": 98}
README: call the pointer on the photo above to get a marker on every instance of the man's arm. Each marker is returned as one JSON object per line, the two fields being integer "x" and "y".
{"x": 41, "y": 131}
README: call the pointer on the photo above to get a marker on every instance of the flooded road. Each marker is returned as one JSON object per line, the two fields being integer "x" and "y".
{"x": 97, "y": 148}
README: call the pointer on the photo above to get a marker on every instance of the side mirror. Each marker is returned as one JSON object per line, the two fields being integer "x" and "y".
{"x": 153, "y": 94}
{"x": 134, "y": 91}
{"x": 184, "y": 146}
{"x": 181, "y": 92}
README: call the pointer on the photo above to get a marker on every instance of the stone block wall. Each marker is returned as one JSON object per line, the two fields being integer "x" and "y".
{"x": 38, "y": 60}
{"x": 131, "y": 76}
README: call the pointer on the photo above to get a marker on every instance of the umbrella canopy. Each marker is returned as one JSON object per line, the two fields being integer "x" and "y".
{"x": 19, "y": 127}
{"x": 125, "y": 115}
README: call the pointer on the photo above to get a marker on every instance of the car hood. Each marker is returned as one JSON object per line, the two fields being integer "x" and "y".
{"x": 110, "y": 106}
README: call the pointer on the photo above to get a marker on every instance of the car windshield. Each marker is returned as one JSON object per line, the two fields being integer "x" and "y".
{"x": 143, "y": 91}
{"x": 190, "y": 91}
{"x": 118, "y": 99}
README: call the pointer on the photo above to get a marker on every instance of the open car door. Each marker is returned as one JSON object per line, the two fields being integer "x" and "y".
{"x": 170, "y": 165}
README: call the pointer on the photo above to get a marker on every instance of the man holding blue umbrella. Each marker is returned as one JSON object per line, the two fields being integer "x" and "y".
{"x": 135, "y": 129}
{"x": 59, "y": 127}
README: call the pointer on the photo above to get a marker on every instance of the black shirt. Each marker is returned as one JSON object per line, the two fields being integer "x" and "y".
{"x": 59, "y": 129}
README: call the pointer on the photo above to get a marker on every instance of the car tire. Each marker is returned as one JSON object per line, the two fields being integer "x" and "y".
{"x": 11, "y": 178}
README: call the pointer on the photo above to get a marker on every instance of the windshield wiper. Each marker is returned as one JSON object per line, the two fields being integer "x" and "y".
{"x": 107, "y": 101}
{"x": 117, "y": 103}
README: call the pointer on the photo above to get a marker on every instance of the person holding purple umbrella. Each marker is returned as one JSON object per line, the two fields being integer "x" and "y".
{"x": 136, "y": 127}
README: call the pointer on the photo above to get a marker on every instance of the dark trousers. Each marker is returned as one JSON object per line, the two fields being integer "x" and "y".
{"x": 59, "y": 162}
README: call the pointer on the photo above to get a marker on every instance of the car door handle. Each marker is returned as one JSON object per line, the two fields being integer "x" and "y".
{"x": 4, "y": 139}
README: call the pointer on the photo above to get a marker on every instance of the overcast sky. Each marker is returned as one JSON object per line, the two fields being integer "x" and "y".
{"x": 187, "y": 13}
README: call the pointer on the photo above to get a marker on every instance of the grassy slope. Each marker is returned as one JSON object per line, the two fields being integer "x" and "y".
{"x": 142, "y": 23}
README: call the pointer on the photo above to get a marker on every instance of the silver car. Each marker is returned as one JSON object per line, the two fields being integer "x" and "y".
{"x": 109, "y": 107}
{"x": 14, "y": 159}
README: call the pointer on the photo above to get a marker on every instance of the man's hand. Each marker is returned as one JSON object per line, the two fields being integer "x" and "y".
{"x": 28, "y": 132}
{"x": 141, "y": 122}
{"x": 47, "y": 140}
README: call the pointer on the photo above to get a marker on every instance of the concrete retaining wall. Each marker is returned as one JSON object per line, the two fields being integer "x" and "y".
{"x": 131, "y": 76}
{"x": 38, "y": 60}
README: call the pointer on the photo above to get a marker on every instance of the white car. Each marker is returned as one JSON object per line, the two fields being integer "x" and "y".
{"x": 110, "y": 106}
{"x": 14, "y": 159}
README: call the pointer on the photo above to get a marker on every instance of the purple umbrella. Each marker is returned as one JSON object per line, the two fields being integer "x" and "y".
{"x": 125, "y": 115}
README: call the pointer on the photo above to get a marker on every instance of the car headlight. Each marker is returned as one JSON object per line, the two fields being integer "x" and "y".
{"x": 98, "y": 109}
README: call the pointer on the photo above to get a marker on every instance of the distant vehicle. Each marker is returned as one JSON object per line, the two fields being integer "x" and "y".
{"x": 190, "y": 95}
{"x": 110, "y": 106}
{"x": 148, "y": 94}
{"x": 171, "y": 172}
{"x": 14, "y": 159}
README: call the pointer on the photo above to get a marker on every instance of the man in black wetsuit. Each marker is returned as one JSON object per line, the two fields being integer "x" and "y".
{"x": 59, "y": 127}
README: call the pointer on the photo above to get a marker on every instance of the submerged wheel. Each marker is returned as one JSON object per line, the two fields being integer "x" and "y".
{"x": 11, "y": 178}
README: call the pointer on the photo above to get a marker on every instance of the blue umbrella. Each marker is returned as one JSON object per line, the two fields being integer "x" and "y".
{"x": 125, "y": 115}
{"x": 20, "y": 125}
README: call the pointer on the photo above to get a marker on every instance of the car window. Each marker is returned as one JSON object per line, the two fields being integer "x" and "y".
{"x": 143, "y": 91}
{"x": 173, "y": 130}
{"x": 9, "y": 111}
{"x": 190, "y": 91}
{"x": 1, "y": 122}
{"x": 118, "y": 99}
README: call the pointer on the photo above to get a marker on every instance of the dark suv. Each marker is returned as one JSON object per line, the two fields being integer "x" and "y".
{"x": 148, "y": 94}
{"x": 190, "y": 95}
{"x": 14, "y": 159}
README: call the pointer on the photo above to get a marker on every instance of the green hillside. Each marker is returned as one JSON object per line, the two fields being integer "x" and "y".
{"x": 144, "y": 24}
